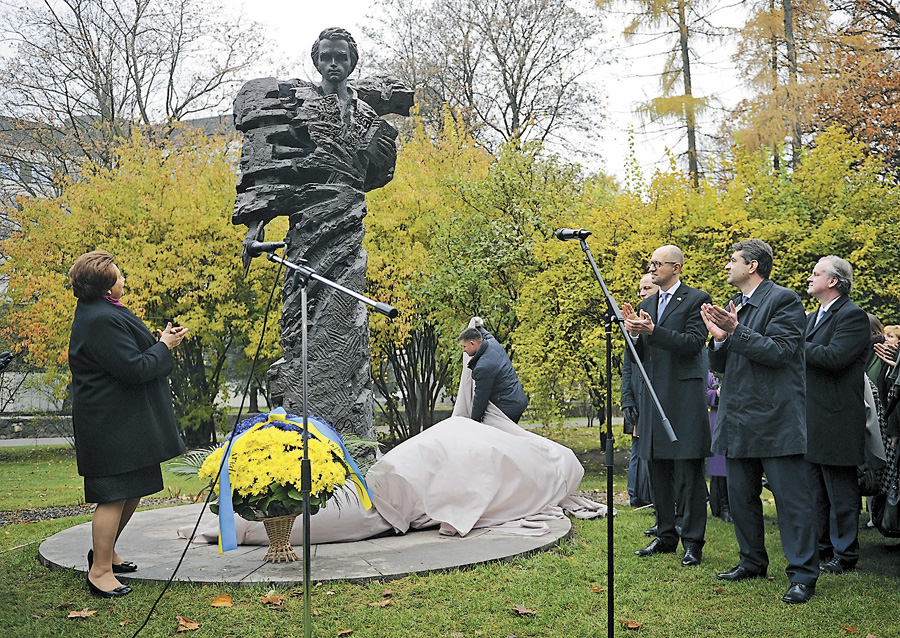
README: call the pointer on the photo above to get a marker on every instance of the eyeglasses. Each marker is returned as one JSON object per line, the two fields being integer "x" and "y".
{"x": 656, "y": 265}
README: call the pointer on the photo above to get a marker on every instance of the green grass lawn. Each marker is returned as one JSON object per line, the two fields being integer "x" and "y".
{"x": 32, "y": 477}
{"x": 565, "y": 587}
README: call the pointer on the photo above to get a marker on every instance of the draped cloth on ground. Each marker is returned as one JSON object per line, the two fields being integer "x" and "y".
{"x": 458, "y": 474}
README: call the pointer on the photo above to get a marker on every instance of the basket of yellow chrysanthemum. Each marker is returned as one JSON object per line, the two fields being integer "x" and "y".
{"x": 261, "y": 479}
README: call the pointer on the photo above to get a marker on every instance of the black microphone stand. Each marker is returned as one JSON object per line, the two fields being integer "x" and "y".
{"x": 302, "y": 274}
{"x": 614, "y": 314}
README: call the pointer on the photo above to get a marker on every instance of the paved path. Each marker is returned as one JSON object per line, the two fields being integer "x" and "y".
{"x": 55, "y": 440}
{"x": 150, "y": 540}
{"x": 59, "y": 440}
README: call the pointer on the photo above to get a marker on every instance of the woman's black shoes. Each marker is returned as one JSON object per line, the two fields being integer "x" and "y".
{"x": 125, "y": 567}
{"x": 124, "y": 590}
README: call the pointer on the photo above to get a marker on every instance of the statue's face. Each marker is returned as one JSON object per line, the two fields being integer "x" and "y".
{"x": 334, "y": 60}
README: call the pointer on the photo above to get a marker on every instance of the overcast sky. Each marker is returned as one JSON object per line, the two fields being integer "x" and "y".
{"x": 294, "y": 24}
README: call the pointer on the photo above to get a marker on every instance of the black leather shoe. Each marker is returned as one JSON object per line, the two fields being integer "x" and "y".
{"x": 798, "y": 593}
{"x": 125, "y": 567}
{"x": 651, "y": 532}
{"x": 693, "y": 555}
{"x": 656, "y": 546}
{"x": 740, "y": 573}
{"x": 837, "y": 566}
{"x": 124, "y": 590}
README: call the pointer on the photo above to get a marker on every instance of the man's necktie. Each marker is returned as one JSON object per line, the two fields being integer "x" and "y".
{"x": 744, "y": 300}
{"x": 663, "y": 301}
{"x": 819, "y": 317}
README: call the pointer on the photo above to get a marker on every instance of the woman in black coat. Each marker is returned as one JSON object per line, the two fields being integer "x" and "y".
{"x": 121, "y": 410}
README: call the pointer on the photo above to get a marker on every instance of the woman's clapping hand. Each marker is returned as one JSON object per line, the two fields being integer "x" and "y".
{"x": 170, "y": 336}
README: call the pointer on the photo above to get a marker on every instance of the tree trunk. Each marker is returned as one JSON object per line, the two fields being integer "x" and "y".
{"x": 689, "y": 117}
{"x": 776, "y": 159}
{"x": 420, "y": 378}
{"x": 792, "y": 75}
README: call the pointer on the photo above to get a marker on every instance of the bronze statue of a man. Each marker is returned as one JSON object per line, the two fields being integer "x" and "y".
{"x": 311, "y": 152}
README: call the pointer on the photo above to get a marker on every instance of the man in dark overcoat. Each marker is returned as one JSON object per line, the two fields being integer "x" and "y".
{"x": 837, "y": 353}
{"x": 670, "y": 335}
{"x": 758, "y": 343}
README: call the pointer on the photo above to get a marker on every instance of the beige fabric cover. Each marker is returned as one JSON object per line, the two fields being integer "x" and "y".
{"x": 459, "y": 474}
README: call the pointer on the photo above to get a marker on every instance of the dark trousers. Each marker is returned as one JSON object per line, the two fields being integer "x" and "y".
{"x": 637, "y": 496}
{"x": 836, "y": 497}
{"x": 718, "y": 496}
{"x": 664, "y": 489}
{"x": 788, "y": 478}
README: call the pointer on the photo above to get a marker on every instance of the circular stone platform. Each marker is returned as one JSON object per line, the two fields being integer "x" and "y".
{"x": 150, "y": 540}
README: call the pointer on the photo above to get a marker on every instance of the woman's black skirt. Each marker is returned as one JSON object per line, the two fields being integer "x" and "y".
{"x": 135, "y": 484}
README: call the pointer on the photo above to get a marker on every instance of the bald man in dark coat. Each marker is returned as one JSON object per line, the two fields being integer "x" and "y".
{"x": 670, "y": 336}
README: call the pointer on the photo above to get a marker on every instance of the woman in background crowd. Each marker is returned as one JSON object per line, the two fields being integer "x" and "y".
{"x": 715, "y": 465}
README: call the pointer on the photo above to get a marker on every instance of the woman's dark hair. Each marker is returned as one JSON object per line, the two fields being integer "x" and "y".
{"x": 877, "y": 328}
{"x": 92, "y": 274}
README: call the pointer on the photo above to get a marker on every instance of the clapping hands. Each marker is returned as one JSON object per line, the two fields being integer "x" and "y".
{"x": 170, "y": 336}
{"x": 886, "y": 353}
{"x": 637, "y": 324}
{"x": 719, "y": 321}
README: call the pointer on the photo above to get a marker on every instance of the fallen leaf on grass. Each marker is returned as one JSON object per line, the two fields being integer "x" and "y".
{"x": 222, "y": 601}
{"x": 387, "y": 593}
{"x": 850, "y": 630}
{"x": 84, "y": 613}
{"x": 597, "y": 589}
{"x": 383, "y": 603}
{"x": 127, "y": 621}
{"x": 719, "y": 590}
{"x": 272, "y": 600}
{"x": 630, "y": 624}
{"x": 186, "y": 625}
{"x": 345, "y": 632}
{"x": 329, "y": 593}
{"x": 522, "y": 610}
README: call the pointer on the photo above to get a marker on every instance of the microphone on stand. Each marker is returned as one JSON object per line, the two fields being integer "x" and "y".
{"x": 565, "y": 234}
{"x": 257, "y": 248}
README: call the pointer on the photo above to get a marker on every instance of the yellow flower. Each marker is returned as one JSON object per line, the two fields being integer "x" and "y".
{"x": 269, "y": 456}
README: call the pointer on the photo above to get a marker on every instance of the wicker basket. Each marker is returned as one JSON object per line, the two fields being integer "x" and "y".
{"x": 278, "y": 529}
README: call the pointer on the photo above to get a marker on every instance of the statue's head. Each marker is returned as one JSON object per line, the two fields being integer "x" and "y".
{"x": 334, "y": 34}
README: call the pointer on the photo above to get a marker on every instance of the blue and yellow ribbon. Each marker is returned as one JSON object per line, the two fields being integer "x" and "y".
{"x": 318, "y": 429}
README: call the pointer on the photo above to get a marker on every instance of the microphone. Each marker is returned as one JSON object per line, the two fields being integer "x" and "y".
{"x": 257, "y": 248}
{"x": 565, "y": 234}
